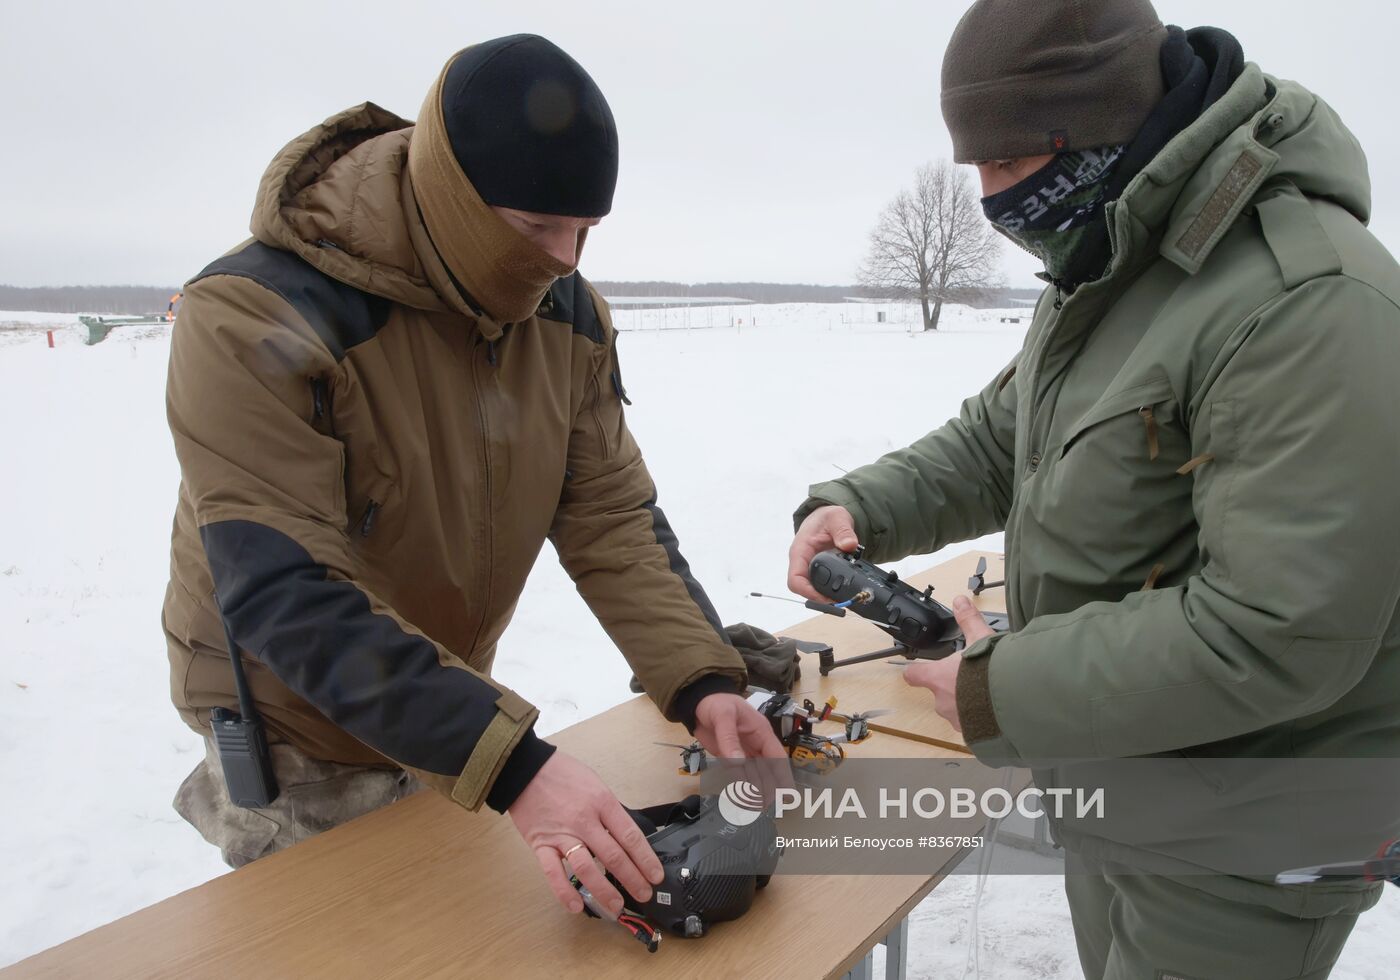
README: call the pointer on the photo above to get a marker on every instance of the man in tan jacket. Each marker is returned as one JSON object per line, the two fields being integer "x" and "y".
{"x": 383, "y": 404}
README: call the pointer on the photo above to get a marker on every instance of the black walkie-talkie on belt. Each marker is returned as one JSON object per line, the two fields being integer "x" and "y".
{"x": 242, "y": 744}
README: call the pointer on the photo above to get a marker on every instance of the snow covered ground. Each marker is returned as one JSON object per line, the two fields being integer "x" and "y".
{"x": 735, "y": 423}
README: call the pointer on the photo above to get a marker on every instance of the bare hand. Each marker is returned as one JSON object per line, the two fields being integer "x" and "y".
{"x": 941, "y": 676}
{"x": 825, "y": 528}
{"x": 731, "y": 728}
{"x": 565, "y": 805}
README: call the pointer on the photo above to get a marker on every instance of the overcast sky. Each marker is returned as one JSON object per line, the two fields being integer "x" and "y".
{"x": 758, "y": 139}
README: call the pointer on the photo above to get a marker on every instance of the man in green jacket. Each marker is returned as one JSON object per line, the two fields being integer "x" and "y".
{"x": 1195, "y": 460}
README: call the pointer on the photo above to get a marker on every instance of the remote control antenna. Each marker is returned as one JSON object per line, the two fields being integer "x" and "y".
{"x": 825, "y": 608}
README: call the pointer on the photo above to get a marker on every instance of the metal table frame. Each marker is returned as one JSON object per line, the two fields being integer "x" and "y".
{"x": 896, "y": 956}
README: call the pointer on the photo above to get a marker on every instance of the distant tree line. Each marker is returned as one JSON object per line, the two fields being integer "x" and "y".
{"x": 778, "y": 292}
{"x": 757, "y": 292}
{"x": 133, "y": 300}
{"x": 129, "y": 300}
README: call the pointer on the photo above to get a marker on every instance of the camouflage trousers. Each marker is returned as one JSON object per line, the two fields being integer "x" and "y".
{"x": 314, "y": 796}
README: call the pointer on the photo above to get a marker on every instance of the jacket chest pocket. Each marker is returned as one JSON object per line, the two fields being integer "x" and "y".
{"x": 370, "y": 485}
{"x": 369, "y": 496}
{"x": 1112, "y": 491}
{"x": 1133, "y": 426}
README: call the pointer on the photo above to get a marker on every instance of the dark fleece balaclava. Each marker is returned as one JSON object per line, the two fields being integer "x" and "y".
{"x": 515, "y": 123}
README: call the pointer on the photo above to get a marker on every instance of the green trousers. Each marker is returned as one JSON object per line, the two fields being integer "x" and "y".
{"x": 1146, "y": 927}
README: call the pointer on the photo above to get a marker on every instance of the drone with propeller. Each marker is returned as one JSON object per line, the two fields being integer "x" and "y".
{"x": 794, "y": 723}
{"x": 921, "y": 627}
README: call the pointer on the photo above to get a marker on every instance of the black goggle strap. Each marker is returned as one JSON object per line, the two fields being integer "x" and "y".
{"x": 653, "y": 818}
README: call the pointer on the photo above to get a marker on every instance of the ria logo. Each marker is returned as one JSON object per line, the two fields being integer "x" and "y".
{"x": 741, "y": 803}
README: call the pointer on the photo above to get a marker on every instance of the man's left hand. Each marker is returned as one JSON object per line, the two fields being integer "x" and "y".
{"x": 941, "y": 676}
{"x": 731, "y": 728}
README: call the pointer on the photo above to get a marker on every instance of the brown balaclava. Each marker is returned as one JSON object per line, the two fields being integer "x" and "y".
{"x": 1026, "y": 77}
{"x": 514, "y": 122}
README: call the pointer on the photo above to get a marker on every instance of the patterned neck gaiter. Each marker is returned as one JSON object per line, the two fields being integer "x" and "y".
{"x": 1047, "y": 213}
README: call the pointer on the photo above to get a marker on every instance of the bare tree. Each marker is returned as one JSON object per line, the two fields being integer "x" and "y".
{"x": 932, "y": 241}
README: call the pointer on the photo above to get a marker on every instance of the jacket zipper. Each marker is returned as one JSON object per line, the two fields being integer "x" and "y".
{"x": 618, "y": 386}
{"x": 596, "y": 393}
{"x": 322, "y": 411}
{"x": 483, "y": 432}
{"x": 1009, "y": 532}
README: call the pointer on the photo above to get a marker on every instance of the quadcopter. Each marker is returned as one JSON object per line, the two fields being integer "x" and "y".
{"x": 793, "y": 722}
{"x": 920, "y": 626}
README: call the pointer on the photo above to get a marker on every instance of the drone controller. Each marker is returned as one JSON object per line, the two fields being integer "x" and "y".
{"x": 915, "y": 619}
{"x": 921, "y": 626}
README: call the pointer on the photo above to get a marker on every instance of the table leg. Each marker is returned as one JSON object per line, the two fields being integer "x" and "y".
{"x": 864, "y": 970}
{"x": 897, "y": 951}
{"x": 896, "y": 956}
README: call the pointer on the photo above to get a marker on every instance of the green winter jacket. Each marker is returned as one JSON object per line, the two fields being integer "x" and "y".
{"x": 1196, "y": 461}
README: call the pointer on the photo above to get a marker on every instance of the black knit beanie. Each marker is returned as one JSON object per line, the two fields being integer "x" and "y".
{"x": 1026, "y": 77}
{"x": 530, "y": 128}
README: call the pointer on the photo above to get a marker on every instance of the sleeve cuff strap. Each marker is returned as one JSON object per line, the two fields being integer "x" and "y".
{"x": 979, "y": 719}
{"x": 513, "y": 722}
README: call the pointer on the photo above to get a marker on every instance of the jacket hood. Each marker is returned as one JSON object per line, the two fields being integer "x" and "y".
{"x": 335, "y": 196}
{"x": 1262, "y": 130}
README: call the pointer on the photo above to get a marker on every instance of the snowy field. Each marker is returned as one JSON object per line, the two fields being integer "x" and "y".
{"x": 732, "y": 421}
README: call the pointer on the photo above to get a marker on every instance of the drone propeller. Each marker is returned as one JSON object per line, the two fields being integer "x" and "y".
{"x": 977, "y": 583}
{"x": 863, "y": 715}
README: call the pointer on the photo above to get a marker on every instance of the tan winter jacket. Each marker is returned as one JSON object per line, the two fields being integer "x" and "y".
{"x": 370, "y": 468}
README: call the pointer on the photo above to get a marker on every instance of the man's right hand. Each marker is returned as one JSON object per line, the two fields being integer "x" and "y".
{"x": 565, "y": 805}
{"x": 825, "y": 528}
